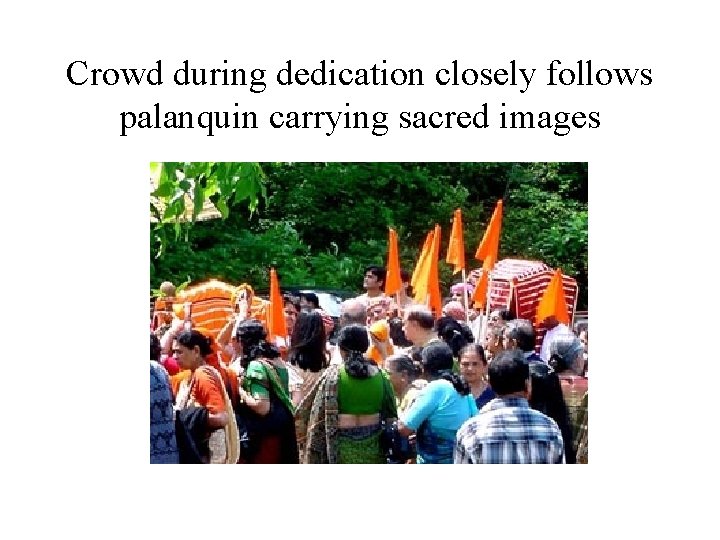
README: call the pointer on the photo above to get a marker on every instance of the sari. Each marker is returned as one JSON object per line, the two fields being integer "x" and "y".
{"x": 317, "y": 419}
{"x": 221, "y": 444}
{"x": 324, "y": 441}
{"x": 581, "y": 439}
{"x": 574, "y": 389}
{"x": 269, "y": 438}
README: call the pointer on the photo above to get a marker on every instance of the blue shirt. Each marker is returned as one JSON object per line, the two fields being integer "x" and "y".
{"x": 436, "y": 414}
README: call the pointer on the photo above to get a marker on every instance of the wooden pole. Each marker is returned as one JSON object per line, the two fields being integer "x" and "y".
{"x": 465, "y": 295}
{"x": 512, "y": 290}
{"x": 577, "y": 293}
{"x": 487, "y": 309}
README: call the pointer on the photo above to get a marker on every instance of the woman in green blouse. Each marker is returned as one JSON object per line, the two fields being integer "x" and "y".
{"x": 344, "y": 422}
{"x": 265, "y": 409}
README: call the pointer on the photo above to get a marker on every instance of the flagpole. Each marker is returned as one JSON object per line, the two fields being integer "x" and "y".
{"x": 465, "y": 293}
{"x": 577, "y": 293}
{"x": 512, "y": 290}
{"x": 487, "y": 308}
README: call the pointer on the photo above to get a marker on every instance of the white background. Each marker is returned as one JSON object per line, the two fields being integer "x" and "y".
{"x": 75, "y": 258}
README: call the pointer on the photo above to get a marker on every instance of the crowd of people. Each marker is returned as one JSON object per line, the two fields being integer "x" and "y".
{"x": 401, "y": 385}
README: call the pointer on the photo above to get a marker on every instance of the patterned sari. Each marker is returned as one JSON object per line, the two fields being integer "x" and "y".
{"x": 581, "y": 439}
{"x": 316, "y": 420}
{"x": 324, "y": 441}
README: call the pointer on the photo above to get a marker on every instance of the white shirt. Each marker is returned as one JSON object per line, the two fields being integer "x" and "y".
{"x": 550, "y": 335}
{"x": 476, "y": 328}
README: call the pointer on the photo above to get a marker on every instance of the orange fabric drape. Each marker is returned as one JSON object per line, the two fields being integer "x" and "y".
{"x": 424, "y": 255}
{"x": 392, "y": 277}
{"x": 276, "y": 313}
{"x": 491, "y": 239}
{"x": 456, "y": 247}
{"x": 553, "y": 301}
{"x": 426, "y": 282}
{"x": 480, "y": 292}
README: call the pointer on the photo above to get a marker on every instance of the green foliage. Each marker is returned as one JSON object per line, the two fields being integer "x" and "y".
{"x": 320, "y": 224}
{"x": 183, "y": 189}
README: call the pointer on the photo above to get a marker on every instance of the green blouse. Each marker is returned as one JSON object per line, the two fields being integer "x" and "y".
{"x": 256, "y": 379}
{"x": 365, "y": 396}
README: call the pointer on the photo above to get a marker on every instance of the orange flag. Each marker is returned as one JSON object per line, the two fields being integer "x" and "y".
{"x": 491, "y": 240}
{"x": 480, "y": 292}
{"x": 456, "y": 248}
{"x": 276, "y": 314}
{"x": 392, "y": 277}
{"x": 424, "y": 256}
{"x": 435, "y": 302}
{"x": 426, "y": 282}
{"x": 553, "y": 301}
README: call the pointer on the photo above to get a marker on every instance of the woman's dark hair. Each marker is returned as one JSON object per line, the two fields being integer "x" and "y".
{"x": 404, "y": 364}
{"x": 353, "y": 339}
{"x": 437, "y": 359}
{"x": 477, "y": 349}
{"x": 264, "y": 350}
{"x": 456, "y": 335}
{"x": 192, "y": 338}
{"x": 251, "y": 335}
{"x": 307, "y": 350}
{"x": 416, "y": 357}
{"x": 397, "y": 334}
{"x": 154, "y": 347}
{"x": 546, "y": 396}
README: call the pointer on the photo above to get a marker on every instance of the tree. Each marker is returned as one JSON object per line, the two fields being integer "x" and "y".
{"x": 183, "y": 190}
{"x": 320, "y": 224}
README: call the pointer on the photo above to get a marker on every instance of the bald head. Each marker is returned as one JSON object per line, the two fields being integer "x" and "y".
{"x": 353, "y": 311}
{"x": 419, "y": 324}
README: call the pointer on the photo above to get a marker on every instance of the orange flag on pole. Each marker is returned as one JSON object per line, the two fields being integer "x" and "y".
{"x": 425, "y": 281}
{"x": 480, "y": 292}
{"x": 276, "y": 315}
{"x": 435, "y": 301}
{"x": 491, "y": 240}
{"x": 456, "y": 247}
{"x": 392, "y": 277}
{"x": 424, "y": 256}
{"x": 553, "y": 301}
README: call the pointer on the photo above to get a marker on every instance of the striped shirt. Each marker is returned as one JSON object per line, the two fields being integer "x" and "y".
{"x": 507, "y": 430}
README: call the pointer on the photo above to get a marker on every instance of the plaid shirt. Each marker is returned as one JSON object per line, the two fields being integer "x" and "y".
{"x": 507, "y": 430}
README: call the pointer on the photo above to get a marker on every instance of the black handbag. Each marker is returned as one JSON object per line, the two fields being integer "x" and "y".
{"x": 397, "y": 448}
{"x": 191, "y": 434}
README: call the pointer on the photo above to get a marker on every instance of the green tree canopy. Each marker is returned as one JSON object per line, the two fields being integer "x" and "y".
{"x": 320, "y": 224}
